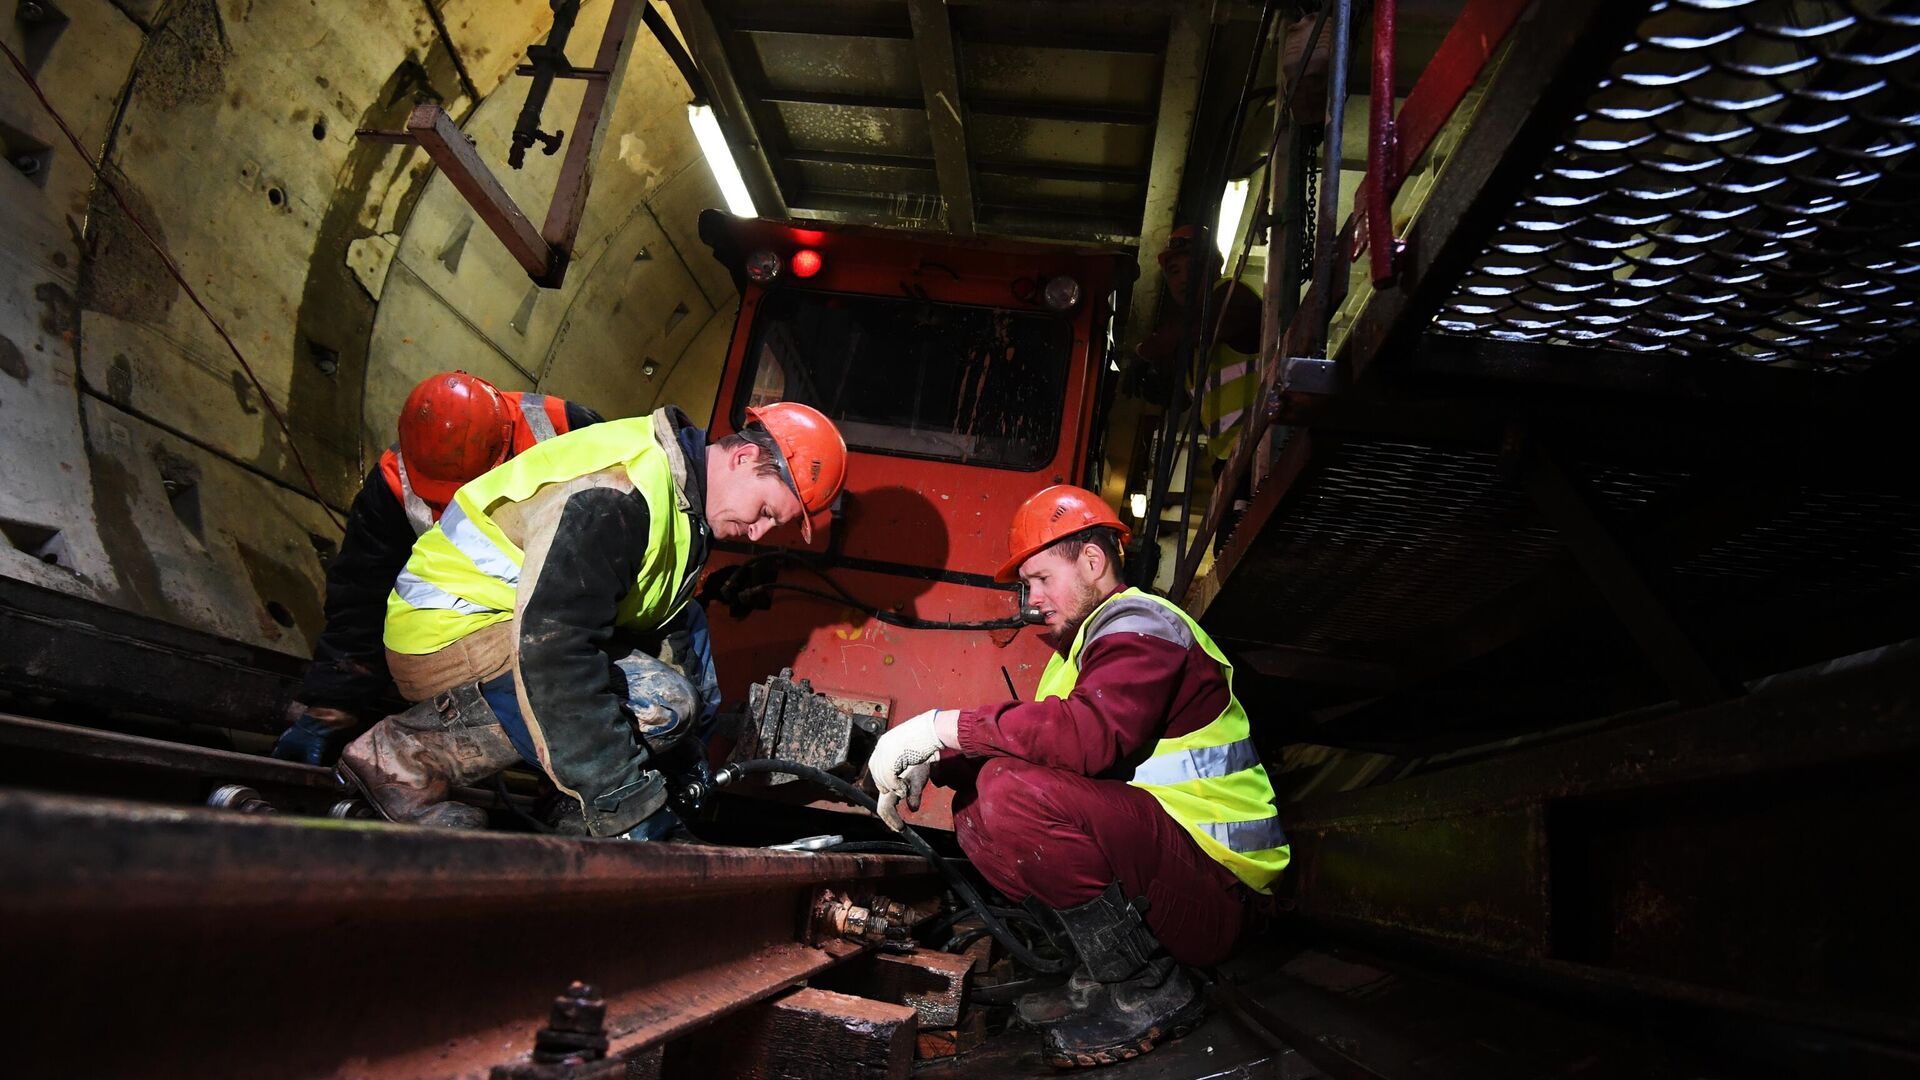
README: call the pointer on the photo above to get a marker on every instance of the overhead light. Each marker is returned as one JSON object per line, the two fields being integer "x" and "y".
{"x": 1139, "y": 502}
{"x": 1232, "y": 201}
{"x": 706, "y": 128}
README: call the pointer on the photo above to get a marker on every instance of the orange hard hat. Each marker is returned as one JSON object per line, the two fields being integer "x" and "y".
{"x": 1179, "y": 242}
{"x": 813, "y": 456}
{"x": 1051, "y": 515}
{"x": 453, "y": 427}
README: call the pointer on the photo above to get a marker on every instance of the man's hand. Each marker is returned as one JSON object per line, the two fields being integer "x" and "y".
{"x": 316, "y": 735}
{"x": 903, "y": 758}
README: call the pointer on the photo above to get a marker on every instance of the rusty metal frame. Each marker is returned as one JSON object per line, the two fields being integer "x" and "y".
{"x": 227, "y": 944}
{"x": 544, "y": 253}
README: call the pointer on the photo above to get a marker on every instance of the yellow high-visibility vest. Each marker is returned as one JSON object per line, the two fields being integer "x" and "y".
{"x": 1223, "y": 407}
{"x": 1209, "y": 780}
{"x": 464, "y": 572}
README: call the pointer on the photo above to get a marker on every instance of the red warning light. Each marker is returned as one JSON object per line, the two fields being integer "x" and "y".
{"x": 805, "y": 263}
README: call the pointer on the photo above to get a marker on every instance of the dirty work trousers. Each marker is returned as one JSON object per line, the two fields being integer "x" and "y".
{"x": 671, "y": 686}
{"x": 1062, "y": 838}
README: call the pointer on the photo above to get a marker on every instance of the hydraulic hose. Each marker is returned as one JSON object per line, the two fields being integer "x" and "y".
{"x": 961, "y": 886}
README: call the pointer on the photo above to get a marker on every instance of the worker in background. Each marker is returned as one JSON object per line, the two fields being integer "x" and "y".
{"x": 1231, "y": 379}
{"x": 453, "y": 427}
{"x": 546, "y": 618}
{"x": 1127, "y": 797}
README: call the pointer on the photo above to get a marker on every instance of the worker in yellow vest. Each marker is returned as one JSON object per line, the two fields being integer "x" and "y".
{"x": 1131, "y": 776}
{"x": 546, "y": 616}
{"x": 1231, "y": 378}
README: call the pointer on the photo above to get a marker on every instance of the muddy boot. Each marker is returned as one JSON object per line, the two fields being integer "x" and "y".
{"x": 1042, "y": 1007}
{"x": 1141, "y": 996}
{"x": 407, "y": 763}
{"x": 1055, "y": 1003}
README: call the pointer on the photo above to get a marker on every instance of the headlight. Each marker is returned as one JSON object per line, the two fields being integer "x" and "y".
{"x": 763, "y": 266}
{"x": 1062, "y": 293}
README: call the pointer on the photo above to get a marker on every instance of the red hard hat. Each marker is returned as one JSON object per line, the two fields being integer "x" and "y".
{"x": 1179, "y": 242}
{"x": 453, "y": 427}
{"x": 813, "y": 456}
{"x": 1051, "y": 515}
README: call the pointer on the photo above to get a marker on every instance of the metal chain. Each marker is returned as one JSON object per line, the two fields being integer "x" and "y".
{"x": 1310, "y": 215}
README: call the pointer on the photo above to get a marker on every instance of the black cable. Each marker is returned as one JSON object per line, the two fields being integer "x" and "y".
{"x": 908, "y": 622}
{"x": 841, "y": 595}
{"x": 961, "y": 886}
{"x": 962, "y": 940}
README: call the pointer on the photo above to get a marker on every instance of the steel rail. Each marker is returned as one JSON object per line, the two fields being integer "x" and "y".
{"x": 213, "y": 944}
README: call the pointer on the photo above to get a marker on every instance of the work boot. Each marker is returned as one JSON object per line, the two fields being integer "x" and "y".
{"x": 1042, "y": 1007}
{"x": 1140, "y": 997}
{"x": 407, "y": 764}
{"x": 1055, "y": 1003}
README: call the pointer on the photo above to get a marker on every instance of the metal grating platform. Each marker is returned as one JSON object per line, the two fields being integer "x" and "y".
{"x": 1742, "y": 184}
{"x": 1391, "y": 538}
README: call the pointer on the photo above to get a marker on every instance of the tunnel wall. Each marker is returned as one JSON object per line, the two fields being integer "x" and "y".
{"x": 143, "y": 469}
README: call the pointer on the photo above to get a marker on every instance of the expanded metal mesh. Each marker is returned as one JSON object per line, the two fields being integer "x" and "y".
{"x": 1835, "y": 545}
{"x": 1742, "y": 184}
{"x": 1386, "y": 539}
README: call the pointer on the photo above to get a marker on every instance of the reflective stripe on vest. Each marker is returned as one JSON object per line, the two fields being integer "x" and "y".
{"x": 419, "y": 514}
{"x": 1228, "y": 388}
{"x": 1180, "y": 766}
{"x": 464, "y": 573}
{"x": 1211, "y": 780}
{"x": 533, "y": 409}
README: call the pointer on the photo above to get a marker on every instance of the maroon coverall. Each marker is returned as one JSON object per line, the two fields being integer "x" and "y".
{"x": 1042, "y": 805}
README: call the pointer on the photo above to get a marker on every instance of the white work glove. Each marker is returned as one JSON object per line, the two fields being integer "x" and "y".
{"x": 902, "y": 759}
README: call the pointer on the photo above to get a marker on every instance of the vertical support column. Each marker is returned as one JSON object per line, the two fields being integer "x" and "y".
{"x": 940, "y": 85}
{"x": 589, "y": 131}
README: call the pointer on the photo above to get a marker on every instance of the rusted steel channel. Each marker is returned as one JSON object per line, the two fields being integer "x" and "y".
{"x": 147, "y": 941}
{"x": 47, "y": 755}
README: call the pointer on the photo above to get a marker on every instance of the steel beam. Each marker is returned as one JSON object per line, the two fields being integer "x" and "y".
{"x": 1733, "y": 858}
{"x": 230, "y": 945}
{"x": 436, "y": 132}
{"x": 1666, "y": 646}
{"x": 730, "y": 106}
{"x": 940, "y": 83}
{"x": 80, "y": 652}
{"x": 72, "y": 758}
{"x": 569, "y": 203}
{"x": 1180, "y": 77}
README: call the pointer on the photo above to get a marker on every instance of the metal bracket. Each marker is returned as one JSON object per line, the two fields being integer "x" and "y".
{"x": 544, "y": 253}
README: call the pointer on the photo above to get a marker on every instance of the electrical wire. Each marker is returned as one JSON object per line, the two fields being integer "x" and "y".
{"x": 960, "y": 885}
{"x": 841, "y": 595}
{"x": 173, "y": 269}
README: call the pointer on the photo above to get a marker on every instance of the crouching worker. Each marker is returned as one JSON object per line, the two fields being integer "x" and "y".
{"x": 453, "y": 427}
{"x": 546, "y": 617}
{"x": 1127, "y": 798}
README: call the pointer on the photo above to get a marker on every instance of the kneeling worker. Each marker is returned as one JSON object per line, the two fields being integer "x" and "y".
{"x": 546, "y": 617}
{"x": 1132, "y": 776}
{"x": 453, "y": 427}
